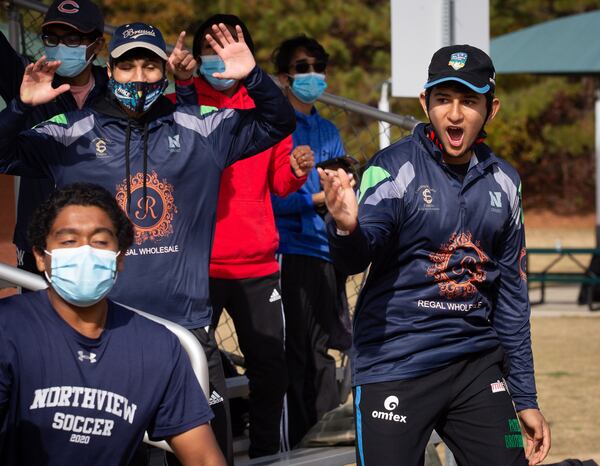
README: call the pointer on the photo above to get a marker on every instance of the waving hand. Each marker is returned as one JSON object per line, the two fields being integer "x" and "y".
{"x": 238, "y": 58}
{"x": 36, "y": 87}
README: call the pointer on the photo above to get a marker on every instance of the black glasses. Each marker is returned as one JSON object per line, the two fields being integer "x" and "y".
{"x": 303, "y": 67}
{"x": 70, "y": 40}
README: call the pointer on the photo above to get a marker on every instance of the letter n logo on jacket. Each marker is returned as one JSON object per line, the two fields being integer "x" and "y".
{"x": 495, "y": 199}
{"x": 174, "y": 144}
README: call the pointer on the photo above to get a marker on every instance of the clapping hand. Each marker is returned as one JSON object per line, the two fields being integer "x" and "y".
{"x": 302, "y": 160}
{"x": 236, "y": 55}
{"x": 340, "y": 198}
{"x": 36, "y": 87}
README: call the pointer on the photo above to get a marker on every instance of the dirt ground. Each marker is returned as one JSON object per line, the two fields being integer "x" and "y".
{"x": 567, "y": 366}
{"x": 567, "y": 349}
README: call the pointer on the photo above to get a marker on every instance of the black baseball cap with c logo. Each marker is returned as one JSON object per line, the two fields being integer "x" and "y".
{"x": 82, "y": 15}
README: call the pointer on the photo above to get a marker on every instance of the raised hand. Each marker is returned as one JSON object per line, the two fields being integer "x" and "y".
{"x": 302, "y": 160}
{"x": 340, "y": 198}
{"x": 181, "y": 61}
{"x": 36, "y": 87}
{"x": 236, "y": 55}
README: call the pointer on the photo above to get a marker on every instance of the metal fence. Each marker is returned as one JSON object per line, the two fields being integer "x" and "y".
{"x": 359, "y": 125}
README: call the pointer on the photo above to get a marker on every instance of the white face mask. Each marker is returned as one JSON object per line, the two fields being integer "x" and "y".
{"x": 83, "y": 276}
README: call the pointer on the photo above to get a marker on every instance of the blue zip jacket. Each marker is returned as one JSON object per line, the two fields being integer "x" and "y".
{"x": 447, "y": 277}
{"x": 32, "y": 192}
{"x": 180, "y": 155}
{"x": 301, "y": 229}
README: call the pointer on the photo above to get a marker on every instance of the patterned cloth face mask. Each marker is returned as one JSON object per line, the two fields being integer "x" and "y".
{"x": 82, "y": 276}
{"x": 137, "y": 96}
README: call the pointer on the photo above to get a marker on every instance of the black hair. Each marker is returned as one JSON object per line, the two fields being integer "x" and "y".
{"x": 282, "y": 55}
{"x": 458, "y": 87}
{"x": 84, "y": 194}
{"x": 229, "y": 20}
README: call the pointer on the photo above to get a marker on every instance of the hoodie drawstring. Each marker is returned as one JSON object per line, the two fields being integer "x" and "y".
{"x": 145, "y": 161}
{"x": 127, "y": 165}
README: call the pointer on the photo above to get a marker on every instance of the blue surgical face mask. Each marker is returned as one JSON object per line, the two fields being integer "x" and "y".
{"x": 214, "y": 64}
{"x": 308, "y": 87}
{"x": 72, "y": 58}
{"x": 137, "y": 96}
{"x": 82, "y": 276}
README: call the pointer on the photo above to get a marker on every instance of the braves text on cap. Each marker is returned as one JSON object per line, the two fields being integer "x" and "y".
{"x": 137, "y": 35}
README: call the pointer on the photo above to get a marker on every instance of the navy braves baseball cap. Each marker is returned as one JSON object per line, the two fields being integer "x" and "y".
{"x": 465, "y": 64}
{"x": 82, "y": 15}
{"x": 137, "y": 35}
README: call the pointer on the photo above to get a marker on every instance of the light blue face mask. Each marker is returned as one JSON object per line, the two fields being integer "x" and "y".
{"x": 82, "y": 276}
{"x": 214, "y": 64}
{"x": 72, "y": 58}
{"x": 308, "y": 87}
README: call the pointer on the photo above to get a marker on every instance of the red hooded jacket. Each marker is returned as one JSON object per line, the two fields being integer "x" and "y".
{"x": 245, "y": 238}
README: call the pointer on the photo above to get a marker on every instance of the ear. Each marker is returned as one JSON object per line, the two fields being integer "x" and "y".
{"x": 121, "y": 261}
{"x": 40, "y": 260}
{"x": 284, "y": 79}
{"x": 108, "y": 71}
{"x": 495, "y": 109}
{"x": 423, "y": 102}
{"x": 98, "y": 46}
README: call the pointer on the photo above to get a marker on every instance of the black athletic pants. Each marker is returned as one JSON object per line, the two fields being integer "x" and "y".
{"x": 254, "y": 305}
{"x": 221, "y": 423}
{"x": 467, "y": 403}
{"x": 310, "y": 298}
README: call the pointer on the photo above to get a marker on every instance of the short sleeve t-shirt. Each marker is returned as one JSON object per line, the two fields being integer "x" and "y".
{"x": 69, "y": 399}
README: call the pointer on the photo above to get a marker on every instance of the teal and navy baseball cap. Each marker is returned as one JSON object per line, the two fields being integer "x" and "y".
{"x": 137, "y": 35}
{"x": 464, "y": 64}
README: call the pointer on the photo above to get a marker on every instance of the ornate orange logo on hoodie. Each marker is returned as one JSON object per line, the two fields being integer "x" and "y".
{"x": 457, "y": 266}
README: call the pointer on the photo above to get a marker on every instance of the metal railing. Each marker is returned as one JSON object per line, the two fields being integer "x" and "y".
{"x": 13, "y": 276}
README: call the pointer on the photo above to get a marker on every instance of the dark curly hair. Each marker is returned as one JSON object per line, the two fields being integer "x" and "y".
{"x": 282, "y": 55}
{"x": 84, "y": 194}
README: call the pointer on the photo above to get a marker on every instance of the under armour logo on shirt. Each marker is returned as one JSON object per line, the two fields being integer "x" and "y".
{"x": 82, "y": 356}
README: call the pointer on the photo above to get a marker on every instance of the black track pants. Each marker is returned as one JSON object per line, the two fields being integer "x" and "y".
{"x": 310, "y": 299}
{"x": 254, "y": 305}
{"x": 466, "y": 403}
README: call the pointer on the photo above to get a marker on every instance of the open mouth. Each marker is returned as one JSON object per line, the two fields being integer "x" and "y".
{"x": 455, "y": 135}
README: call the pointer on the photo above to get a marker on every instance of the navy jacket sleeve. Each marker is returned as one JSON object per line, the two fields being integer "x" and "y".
{"x": 27, "y": 153}
{"x": 237, "y": 134}
{"x": 379, "y": 214}
{"x": 11, "y": 71}
{"x": 186, "y": 93}
{"x": 512, "y": 310}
